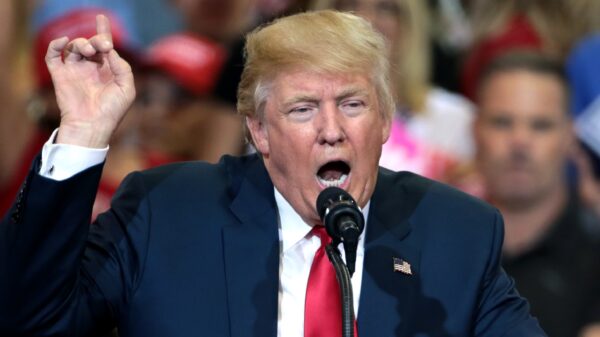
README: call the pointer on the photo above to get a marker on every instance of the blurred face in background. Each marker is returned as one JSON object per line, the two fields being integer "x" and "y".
{"x": 523, "y": 136}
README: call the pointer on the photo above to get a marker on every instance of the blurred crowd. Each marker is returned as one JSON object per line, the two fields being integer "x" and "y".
{"x": 499, "y": 98}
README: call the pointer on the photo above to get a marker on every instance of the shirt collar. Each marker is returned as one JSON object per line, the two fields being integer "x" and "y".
{"x": 292, "y": 228}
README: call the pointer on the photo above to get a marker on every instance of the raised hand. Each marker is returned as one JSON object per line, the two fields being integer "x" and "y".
{"x": 93, "y": 84}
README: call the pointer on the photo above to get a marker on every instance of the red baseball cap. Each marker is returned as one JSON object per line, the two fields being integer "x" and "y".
{"x": 74, "y": 24}
{"x": 192, "y": 61}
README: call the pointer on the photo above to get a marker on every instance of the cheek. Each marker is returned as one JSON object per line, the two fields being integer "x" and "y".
{"x": 290, "y": 149}
{"x": 556, "y": 152}
{"x": 490, "y": 150}
{"x": 485, "y": 144}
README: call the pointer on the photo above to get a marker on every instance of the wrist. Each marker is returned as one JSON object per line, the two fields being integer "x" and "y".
{"x": 83, "y": 134}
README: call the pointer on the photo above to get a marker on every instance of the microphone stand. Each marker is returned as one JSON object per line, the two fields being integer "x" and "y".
{"x": 344, "y": 280}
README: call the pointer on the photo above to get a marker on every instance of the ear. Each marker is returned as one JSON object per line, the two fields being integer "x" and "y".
{"x": 387, "y": 129}
{"x": 259, "y": 133}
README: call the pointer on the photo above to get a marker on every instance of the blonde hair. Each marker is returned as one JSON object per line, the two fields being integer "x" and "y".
{"x": 413, "y": 56}
{"x": 410, "y": 62}
{"x": 552, "y": 19}
{"x": 321, "y": 41}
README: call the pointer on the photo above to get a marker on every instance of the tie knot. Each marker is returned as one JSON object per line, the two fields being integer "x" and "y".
{"x": 321, "y": 232}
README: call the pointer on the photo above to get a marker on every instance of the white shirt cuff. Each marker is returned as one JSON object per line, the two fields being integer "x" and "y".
{"x": 62, "y": 161}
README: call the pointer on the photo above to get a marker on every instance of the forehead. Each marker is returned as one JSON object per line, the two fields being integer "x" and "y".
{"x": 523, "y": 93}
{"x": 288, "y": 84}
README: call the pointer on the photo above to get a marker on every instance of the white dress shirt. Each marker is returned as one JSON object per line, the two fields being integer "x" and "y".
{"x": 297, "y": 245}
{"x": 297, "y": 249}
{"x": 62, "y": 161}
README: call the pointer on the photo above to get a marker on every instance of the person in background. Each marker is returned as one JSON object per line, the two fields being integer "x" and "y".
{"x": 184, "y": 69}
{"x": 452, "y": 34}
{"x": 501, "y": 26}
{"x": 524, "y": 139}
{"x": 15, "y": 86}
{"x": 431, "y": 129}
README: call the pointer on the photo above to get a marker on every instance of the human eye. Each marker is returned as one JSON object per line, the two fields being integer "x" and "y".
{"x": 302, "y": 112}
{"x": 500, "y": 122}
{"x": 353, "y": 107}
{"x": 542, "y": 125}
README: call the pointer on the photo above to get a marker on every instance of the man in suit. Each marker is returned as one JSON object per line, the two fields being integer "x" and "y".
{"x": 194, "y": 249}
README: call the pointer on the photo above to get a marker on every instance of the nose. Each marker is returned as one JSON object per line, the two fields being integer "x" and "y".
{"x": 330, "y": 125}
{"x": 521, "y": 136}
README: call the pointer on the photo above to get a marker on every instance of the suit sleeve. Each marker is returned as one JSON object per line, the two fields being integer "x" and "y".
{"x": 61, "y": 276}
{"x": 501, "y": 310}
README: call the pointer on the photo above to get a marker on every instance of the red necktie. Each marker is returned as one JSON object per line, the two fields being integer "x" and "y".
{"x": 323, "y": 308}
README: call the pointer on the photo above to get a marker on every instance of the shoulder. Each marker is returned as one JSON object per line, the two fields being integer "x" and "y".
{"x": 188, "y": 178}
{"x": 200, "y": 170}
{"x": 413, "y": 186}
{"x": 431, "y": 205}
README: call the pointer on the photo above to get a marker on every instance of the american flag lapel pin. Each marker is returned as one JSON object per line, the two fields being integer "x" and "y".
{"x": 402, "y": 266}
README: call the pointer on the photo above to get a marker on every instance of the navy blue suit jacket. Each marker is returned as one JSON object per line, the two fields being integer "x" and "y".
{"x": 192, "y": 249}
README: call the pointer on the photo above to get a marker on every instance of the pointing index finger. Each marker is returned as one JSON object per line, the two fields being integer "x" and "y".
{"x": 103, "y": 28}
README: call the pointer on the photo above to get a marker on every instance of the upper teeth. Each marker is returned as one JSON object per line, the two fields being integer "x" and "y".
{"x": 334, "y": 183}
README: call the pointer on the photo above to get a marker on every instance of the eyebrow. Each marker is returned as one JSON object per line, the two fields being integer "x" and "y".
{"x": 301, "y": 98}
{"x": 352, "y": 91}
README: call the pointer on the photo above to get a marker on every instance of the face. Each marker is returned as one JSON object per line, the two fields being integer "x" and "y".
{"x": 523, "y": 136}
{"x": 319, "y": 131}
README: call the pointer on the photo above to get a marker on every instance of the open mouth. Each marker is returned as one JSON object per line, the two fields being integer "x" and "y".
{"x": 333, "y": 173}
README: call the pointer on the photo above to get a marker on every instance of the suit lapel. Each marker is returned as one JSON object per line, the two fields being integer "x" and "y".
{"x": 386, "y": 295}
{"x": 252, "y": 252}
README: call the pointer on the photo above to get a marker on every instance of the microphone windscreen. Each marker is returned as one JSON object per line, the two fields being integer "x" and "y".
{"x": 329, "y": 196}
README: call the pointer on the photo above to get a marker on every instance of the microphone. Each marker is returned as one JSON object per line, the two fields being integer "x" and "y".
{"x": 343, "y": 221}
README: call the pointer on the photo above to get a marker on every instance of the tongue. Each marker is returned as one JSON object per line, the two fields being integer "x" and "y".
{"x": 330, "y": 174}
